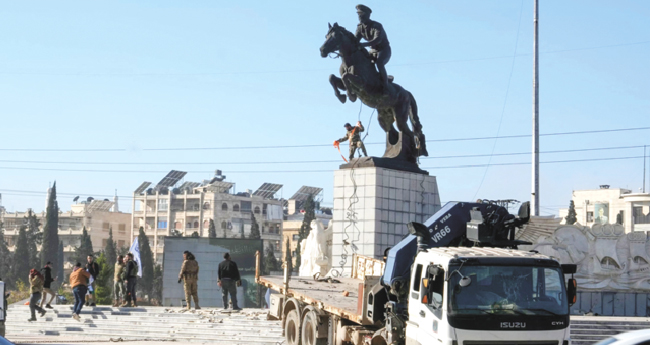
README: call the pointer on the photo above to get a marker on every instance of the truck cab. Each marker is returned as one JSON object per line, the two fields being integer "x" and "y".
{"x": 482, "y": 296}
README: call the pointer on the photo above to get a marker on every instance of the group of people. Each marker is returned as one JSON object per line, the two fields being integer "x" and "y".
{"x": 228, "y": 280}
{"x": 125, "y": 279}
{"x": 83, "y": 284}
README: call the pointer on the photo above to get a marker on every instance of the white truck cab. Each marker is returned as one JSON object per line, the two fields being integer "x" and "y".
{"x": 486, "y": 296}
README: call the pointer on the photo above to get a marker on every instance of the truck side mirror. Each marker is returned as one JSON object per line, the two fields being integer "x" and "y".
{"x": 569, "y": 268}
{"x": 572, "y": 291}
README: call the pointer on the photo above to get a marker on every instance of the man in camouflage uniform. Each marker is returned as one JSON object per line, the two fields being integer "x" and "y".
{"x": 190, "y": 276}
{"x": 376, "y": 38}
{"x": 119, "y": 292}
{"x": 355, "y": 139}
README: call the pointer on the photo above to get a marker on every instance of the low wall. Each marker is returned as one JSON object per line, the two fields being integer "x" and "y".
{"x": 611, "y": 303}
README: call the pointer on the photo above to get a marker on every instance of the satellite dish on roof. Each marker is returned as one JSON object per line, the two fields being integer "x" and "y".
{"x": 90, "y": 198}
{"x": 75, "y": 198}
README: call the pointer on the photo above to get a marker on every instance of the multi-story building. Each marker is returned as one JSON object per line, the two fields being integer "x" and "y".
{"x": 611, "y": 205}
{"x": 172, "y": 208}
{"x": 98, "y": 217}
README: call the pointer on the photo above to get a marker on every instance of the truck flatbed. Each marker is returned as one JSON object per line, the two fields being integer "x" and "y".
{"x": 328, "y": 296}
{"x": 345, "y": 297}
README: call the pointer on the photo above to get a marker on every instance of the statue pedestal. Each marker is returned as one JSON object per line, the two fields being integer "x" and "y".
{"x": 382, "y": 203}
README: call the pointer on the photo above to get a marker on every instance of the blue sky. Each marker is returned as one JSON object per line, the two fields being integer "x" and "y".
{"x": 135, "y": 76}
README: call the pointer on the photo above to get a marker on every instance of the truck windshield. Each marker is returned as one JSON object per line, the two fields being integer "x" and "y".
{"x": 508, "y": 290}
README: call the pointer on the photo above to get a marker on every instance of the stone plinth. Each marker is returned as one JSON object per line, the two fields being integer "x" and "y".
{"x": 382, "y": 203}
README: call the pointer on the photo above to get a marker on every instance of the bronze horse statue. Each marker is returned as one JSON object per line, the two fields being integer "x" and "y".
{"x": 360, "y": 78}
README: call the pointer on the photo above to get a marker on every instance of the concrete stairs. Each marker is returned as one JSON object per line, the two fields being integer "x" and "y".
{"x": 591, "y": 329}
{"x": 214, "y": 326}
{"x": 248, "y": 326}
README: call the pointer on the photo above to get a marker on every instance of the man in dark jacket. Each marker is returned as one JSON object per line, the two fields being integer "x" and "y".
{"x": 130, "y": 280}
{"x": 47, "y": 285}
{"x": 93, "y": 268}
{"x": 229, "y": 280}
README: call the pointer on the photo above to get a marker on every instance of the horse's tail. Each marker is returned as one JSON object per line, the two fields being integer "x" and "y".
{"x": 417, "y": 127}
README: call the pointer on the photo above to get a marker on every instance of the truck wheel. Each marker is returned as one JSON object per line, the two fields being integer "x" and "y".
{"x": 292, "y": 328}
{"x": 310, "y": 330}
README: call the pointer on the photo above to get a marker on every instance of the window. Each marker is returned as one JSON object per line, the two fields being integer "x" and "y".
{"x": 257, "y": 210}
{"x": 417, "y": 280}
{"x": 189, "y": 225}
{"x": 224, "y": 225}
{"x": 590, "y": 217}
{"x": 277, "y": 245}
{"x": 163, "y": 205}
{"x": 436, "y": 277}
{"x": 206, "y": 205}
{"x": 206, "y": 223}
{"x": 121, "y": 227}
{"x": 178, "y": 225}
{"x": 224, "y": 207}
{"x": 235, "y": 208}
{"x": 246, "y": 206}
{"x": 639, "y": 217}
{"x": 162, "y": 223}
{"x": 106, "y": 226}
{"x": 620, "y": 217}
{"x": 196, "y": 224}
{"x": 121, "y": 243}
{"x": 296, "y": 237}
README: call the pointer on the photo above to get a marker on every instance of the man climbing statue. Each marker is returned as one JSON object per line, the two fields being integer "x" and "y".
{"x": 376, "y": 39}
{"x": 355, "y": 139}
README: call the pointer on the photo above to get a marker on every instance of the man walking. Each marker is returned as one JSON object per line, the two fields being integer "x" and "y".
{"x": 47, "y": 283}
{"x": 93, "y": 268}
{"x": 35, "y": 288}
{"x": 79, "y": 283}
{"x": 229, "y": 280}
{"x": 130, "y": 279}
{"x": 355, "y": 139}
{"x": 190, "y": 276}
{"x": 118, "y": 284}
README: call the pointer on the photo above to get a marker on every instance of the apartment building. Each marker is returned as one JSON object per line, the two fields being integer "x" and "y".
{"x": 176, "y": 208}
{"x": 611, "y": 205}
{"x": 97, "y": 216}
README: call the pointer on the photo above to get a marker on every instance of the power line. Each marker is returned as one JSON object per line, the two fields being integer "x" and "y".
{"x": 321, "y": 145}
{"x": 304, "y": 70}
{"x": 314, "y": 171}
{"x": 311, "y": 161}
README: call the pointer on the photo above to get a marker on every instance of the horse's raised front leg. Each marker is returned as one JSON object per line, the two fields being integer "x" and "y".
{"x": 346, "y": 79}
{"x": 337, "y": 84}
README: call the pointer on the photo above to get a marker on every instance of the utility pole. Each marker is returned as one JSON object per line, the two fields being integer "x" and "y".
{"x": 535, "y": 184}
{"x": 644, "y": 155}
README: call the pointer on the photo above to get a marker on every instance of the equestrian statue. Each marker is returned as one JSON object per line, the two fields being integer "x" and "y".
{"x": 361, "y": 79}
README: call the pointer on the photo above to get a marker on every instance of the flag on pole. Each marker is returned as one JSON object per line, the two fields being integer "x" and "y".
{"x": 135, "y": 250}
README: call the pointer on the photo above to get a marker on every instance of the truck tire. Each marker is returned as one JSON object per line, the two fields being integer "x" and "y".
{"x": 309, "y": 330}
{"x": 292, "y": 328}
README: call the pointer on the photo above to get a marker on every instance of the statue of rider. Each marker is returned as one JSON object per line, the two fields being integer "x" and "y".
{"x": 376, "y": 38}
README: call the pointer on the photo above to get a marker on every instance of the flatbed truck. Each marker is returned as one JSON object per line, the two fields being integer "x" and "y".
{"x": 439, "y": 285}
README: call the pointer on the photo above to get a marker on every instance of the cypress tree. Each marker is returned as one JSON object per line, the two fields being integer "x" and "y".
{"x": 59, "y": 267}
{"x": 146, "y": 256}
{"x": 270, "y": 262}
{"x": 255, "y": 229}
{"x": 51, "y": 231}
{"x": 5, "y": 259}
{"x": 212, "y": 230}
{"x": 310, "y": 215}
{"x": 298, "y": 258}
{"x": 572, "y": 217}
{"x": 21, "y": 257}
{"x": 287, "y": 255}
{"x": 85, "y": 247}
{"x": 110, "y": 250}
{"x": 34, "y": 239}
